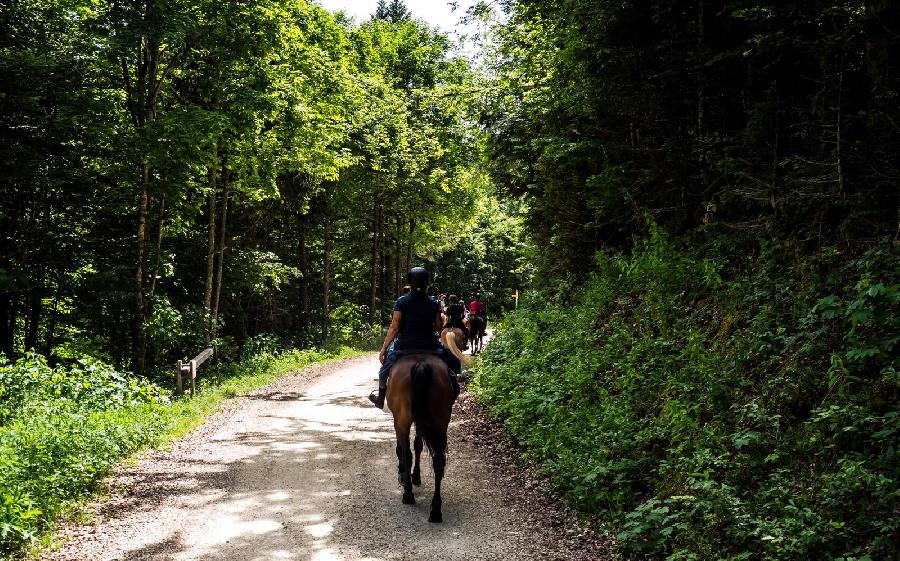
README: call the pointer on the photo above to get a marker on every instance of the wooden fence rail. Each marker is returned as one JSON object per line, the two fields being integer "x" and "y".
{"x": 190, "y": 369}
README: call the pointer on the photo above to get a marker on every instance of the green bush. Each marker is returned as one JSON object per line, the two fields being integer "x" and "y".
{"x": 62, "y": 429}
{"x": 716, "y": 402}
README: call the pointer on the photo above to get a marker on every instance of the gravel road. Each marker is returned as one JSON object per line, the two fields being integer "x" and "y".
{"x": 305, "y": 469}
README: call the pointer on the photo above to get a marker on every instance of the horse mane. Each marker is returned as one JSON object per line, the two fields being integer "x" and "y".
{"x": 426, "y": 425}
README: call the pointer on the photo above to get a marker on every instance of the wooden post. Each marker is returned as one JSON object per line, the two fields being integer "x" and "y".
{"x": 190, "y": 369}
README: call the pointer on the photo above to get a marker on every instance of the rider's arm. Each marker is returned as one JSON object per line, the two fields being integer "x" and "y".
{"x": 391, "y": 334}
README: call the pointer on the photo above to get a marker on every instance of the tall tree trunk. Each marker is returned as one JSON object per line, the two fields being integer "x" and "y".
{"x": 398, "y": 264}
{"x": 34, "y": 316}
{"x": 7, "y": 324}
{"x": 304, "y": 277}
{"x": 210, "y": 237}
{"x": 326, "y": 273}
{"x": 373, "y": 277}
{"x": 839, "y": 148}
{"x": 160, "y": 224}
{"x": 221, "y": 265}
{"x": 50, "y": 335}
{"x": 409, "y": 243}
{"x": 142, "y": 94}
{"x": 137, "y": 324}
{"x": 383, "y": 269}
{"x": 701, "y": 59}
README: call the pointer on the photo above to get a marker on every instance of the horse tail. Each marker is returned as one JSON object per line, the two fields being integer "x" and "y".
{"x": 426, "y": 425}
{"x": 450, "y": 342}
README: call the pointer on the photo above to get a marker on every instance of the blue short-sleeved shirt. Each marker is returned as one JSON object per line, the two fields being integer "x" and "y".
{"x": 418, "y": 312}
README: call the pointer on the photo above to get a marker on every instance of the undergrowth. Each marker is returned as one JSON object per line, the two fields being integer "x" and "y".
{"x": 721, "y": 401}
{"x": 63, "y": 428}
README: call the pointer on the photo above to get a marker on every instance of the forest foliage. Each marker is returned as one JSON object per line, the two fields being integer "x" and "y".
{"x": 700, "y": 197}
{"x": 177, "y": 174}
{"x": 776, "y": 119}
{"x": 180, "y": 172}
{"x": 707, "y": 363}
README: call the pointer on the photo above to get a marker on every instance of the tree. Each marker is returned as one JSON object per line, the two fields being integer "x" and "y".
{"x": 395, "y": 11}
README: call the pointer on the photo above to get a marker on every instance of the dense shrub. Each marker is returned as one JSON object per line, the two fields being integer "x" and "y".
{"x": 720, "y": 402}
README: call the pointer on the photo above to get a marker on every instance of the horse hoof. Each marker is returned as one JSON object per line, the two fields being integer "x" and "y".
{"x": 409, "y": 499}
{"x": 416, "y": 479}
{"x": 436, "y": 517}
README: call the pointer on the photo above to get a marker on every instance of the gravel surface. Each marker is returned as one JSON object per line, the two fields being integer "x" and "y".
{"x": 305, "y": 469}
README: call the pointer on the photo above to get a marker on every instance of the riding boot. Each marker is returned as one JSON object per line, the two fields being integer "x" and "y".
{"x": 379, "y": 399}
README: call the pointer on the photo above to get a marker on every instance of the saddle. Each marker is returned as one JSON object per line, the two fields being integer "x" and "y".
{"x": 454, "y": 381}
{"x": 407, "y": 352}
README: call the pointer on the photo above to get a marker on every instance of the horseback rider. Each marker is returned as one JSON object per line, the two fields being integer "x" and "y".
{"x": 415, "y": 323}
{"x": 477, "y": 308}
{"x": 455, "y": 315}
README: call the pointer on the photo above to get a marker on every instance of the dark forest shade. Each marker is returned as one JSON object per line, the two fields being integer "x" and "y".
{"x": 776, "y": 118}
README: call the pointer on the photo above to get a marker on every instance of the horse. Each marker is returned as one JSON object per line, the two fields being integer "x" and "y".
{"x": 458, "y": 335}
{"x": 452, "y": 344}
{"x": 476, "y": 325}
{"x": 419, "y": 391}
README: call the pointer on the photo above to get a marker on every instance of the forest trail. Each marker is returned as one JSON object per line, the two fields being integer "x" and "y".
{"x": 305, "y": 469}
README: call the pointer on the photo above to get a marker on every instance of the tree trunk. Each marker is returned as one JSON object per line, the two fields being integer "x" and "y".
{"x": 398, "y": 273}
{"x": 221, "y": 266}
{"x": 137, "y": 324}
{"x": 326, "y": 273}
{"x": 142, "y": 94}
{"x": 34, "y": 317}
{"x": 210, "y": 237}
{"x": 7, "y": 324}
{"x": 839, "y": 148}
{"x": 409, "y": 243}
{"x": 159, "y": 238}
{"x": 304, "y": 277}
{"x": 701, "y": 76}
{"x": 49, "y": 336}
{"x": 373, "y": 278}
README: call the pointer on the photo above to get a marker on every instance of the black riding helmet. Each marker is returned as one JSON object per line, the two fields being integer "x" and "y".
{"x": 417, "y": 277}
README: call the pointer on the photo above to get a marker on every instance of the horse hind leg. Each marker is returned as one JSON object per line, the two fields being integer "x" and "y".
{"x": 439, "y": 461}
{"x": 404, "y": 456}
{"x": 417, "y": 473}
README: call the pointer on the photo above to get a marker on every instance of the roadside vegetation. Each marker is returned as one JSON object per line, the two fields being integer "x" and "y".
{"x": 716, "y": 399}
{"x": 64, "y": 427}
{"x": 707, "y": 358}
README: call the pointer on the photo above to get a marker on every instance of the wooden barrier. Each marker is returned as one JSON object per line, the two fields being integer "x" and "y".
{"x": 190, "y": 370}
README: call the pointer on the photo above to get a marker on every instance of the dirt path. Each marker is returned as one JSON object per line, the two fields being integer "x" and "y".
{"x": 305, "y": 469}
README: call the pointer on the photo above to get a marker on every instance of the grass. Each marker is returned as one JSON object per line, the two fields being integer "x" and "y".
{"x": 63, "y": 429}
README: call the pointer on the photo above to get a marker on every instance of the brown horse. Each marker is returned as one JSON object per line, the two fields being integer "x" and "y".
{"x": 476, "y": 326}
{"x": 419, "y": 391}
{"x": 458, "y": 335}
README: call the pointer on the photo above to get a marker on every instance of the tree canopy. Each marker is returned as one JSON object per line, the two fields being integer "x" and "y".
{"x": 177, "y": 172}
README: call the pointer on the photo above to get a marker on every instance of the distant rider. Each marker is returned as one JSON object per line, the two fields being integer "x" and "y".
{"x": 415, "y": 324}
{"x": 477, "y": 308}
{"x": 456, "y": 314}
